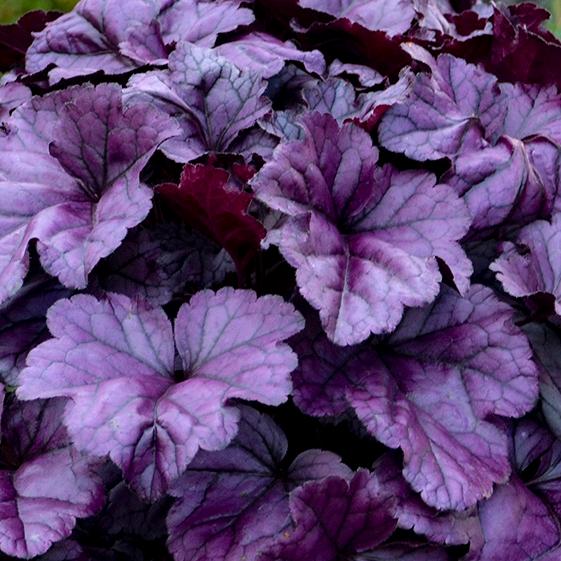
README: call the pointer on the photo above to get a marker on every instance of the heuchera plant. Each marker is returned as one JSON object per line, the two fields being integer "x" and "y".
{"x": 280, "y": 280}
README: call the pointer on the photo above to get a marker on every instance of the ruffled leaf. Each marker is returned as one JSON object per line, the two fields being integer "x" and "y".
{"x": 212, "y": 99}
{"x": 364, "y": 240}
{"x": 233, "y": 503}
{"x": 428, "y": 389}
{"x": 116, "y": 359}
{"x": 79, "y": 199}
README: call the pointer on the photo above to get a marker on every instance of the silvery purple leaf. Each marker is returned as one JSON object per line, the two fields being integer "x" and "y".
{"x": 363, "y": 239}
{"x": 520, "y": 522}
{"x": 233, "y": 503}
{"x": 428, "y": 389}
{"x": 391, "y": 16}
{"x": 200, "y": 21}
{"x": 448, "y": 112}
{"x": 89, "y": 38}
{"x": 118, "y": 36}
{"x": 366, "y": 76}
{"x": 501, "y": 185}
{"x": 532, "y": 111}
{"x": 334, "y": 519}
{"x": 212, "y": 100}
{"x": 12, "y": 95}
{"x": 532, "y": 264}
{"x": 70, "y": 178}
{"x": 449, "y": 527}
{"x": 148, "y": 411}
{"x": 266, "y": 55}
{"x": 45, "y": 485}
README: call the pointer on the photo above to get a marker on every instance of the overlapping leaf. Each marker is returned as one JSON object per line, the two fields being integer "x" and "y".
{"x": 116, "y": 36}
{"x": 116, "y": 359}
{"x": 428, "y": 389}
{"x": 521, "y": 520}
{"x": 205, "y": 200}
{"x": 70, "y": 179}
{"x": 364, "y": 240}
{"x": 533, "y": 264}
{"x": 392, "y": 16}
{"x": 452, "y": 110}
{"x": 23, "y": 323}
{"x": 212, "y": 99}
{"x": 157, "y": 263}
{"x": 233, "y": 503}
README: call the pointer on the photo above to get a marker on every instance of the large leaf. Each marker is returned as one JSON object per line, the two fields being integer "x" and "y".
{"x": 428, "y": 389}
{"x": 266, "y": 55}
{"x": 117, "y": 36}
{"x": 70, "y": 179}
{"x": 233, "y": 503}
{"x": 213, "y": 100}
{"x": 364, "y": 240}
{"x": 116, "y": 359}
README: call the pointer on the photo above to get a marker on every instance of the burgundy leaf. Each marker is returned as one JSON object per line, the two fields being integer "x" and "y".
{"x": 205, "y": 201}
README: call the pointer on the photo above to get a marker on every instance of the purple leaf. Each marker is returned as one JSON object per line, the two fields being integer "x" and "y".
{"x": 44, "y": 484}
{"x": 12, "y": 95}
{"x": 451, "y": 111}
{"x": 23, "y": 323}
{"x": 79, "y": 203}
{"x": 392, "y": 16}
{"x": 88, "y": 39}
{"x": 450, "y": 528}
{"x": 521, "y": 521}
{"x": 200, "y": 21}
{"x": 366, "y": 76}
{"x": 233, "y": 503}
{"x": 428, "y": 388}
{"x": 532, "y": 111}
{"x": 116, "y": 359}
{"x": 116, "y": 36}
{"x": 500, "y": 184}
{"x": 533, "y": 264}
{"x": 364, "y": 240}
{"x": 334, "y": 519}
{"x": 266, "y": 55}
{"x": 156, "y": 263}
{"x": 212, "y": 99}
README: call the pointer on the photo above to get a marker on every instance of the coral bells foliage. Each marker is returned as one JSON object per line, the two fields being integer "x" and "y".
{"x": 280, "y": 280}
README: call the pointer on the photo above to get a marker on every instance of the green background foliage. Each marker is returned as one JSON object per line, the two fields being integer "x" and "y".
{"x": 10, "y": 10}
